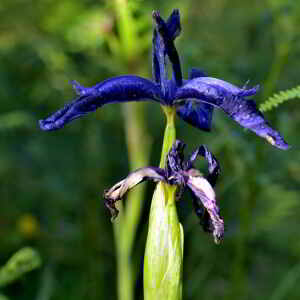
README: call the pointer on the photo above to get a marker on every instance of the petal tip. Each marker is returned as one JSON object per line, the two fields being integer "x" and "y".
{"x": 278, "y": 142}
{"x": 155, "y": 14}
{"x": 45, "y": 126}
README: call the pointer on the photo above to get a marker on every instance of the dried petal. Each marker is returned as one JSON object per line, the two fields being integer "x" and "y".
{"x": 203, "y": 215}
{"x": 175, "y": 158}
{"x": 213, "y": 164}
{"x": 118, "y": 191}
{"x": 205, "y": 195}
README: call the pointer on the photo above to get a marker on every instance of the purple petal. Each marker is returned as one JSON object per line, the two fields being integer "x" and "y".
{"x": 117, "y": 89}
{"x": 118, "y": 191}
{"x": 159, "y": 72}
{"x": 245, "y": 112}
{"x": 230, "y": 98}
{"x": 195, "y": 73}
{"x": 173, "y": 24}
{"x": 175, "y": 162}
{"x": 167, "y": 32}
{"x": 198, "y": 115}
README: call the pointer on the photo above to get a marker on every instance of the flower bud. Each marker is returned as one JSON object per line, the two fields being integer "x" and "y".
{"x": 164, "y": 247}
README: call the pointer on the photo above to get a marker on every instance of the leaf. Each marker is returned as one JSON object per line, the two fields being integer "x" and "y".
{"x": 23, "y": 261}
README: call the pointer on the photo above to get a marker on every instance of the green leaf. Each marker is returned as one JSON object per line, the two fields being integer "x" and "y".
{"x": 23, "y": 261}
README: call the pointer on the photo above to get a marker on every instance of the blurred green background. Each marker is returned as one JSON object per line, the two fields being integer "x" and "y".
{"x": 51, "y": 183}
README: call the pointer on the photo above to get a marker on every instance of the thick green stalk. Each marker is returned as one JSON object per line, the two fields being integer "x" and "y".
{"x": 138, "y": 143}
{"x": 164, "y": 247}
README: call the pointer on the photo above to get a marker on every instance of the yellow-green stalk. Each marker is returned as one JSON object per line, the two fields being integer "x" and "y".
{"x": 164, "y": 247}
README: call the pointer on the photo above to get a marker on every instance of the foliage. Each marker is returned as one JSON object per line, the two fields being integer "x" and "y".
{"x": 22, "y": 262}
{"x": 25, "y": 260}
{"x": 280, "y": 98}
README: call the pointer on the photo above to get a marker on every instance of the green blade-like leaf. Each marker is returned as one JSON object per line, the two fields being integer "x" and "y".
{"x": 23, "y": 261}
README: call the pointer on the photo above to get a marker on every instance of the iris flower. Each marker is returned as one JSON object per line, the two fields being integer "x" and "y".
{"x": 194, "y": 98}
{"x": 181, "y": 173}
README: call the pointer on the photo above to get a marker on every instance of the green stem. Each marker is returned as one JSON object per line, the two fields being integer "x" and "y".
{"x": 135, "y": 129}
{"x": 126, "y": 225}
{"x": 164, "y": 246}
{"x": 170, "y": 133}
{"x": 280, "y": 59}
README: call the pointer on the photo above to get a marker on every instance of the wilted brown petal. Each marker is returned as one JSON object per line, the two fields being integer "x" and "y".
{"x": 206, "y": 196}
{"x": 118, "y": 191}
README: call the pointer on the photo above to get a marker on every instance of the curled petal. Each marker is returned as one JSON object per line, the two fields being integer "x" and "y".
{"x": 118, "y": 191}
{"x": 205, "y": 195}
{"x": 118, "y": 89}
{"x": 213, "y": 164}
{"x": 229, "y": 98}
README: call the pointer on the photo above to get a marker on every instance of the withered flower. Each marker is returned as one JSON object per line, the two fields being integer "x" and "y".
{"x": 179, "y": 172}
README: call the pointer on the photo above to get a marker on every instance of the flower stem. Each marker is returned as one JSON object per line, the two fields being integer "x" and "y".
{"x": 164, "y": 247}
{"x": 170, "y": 133}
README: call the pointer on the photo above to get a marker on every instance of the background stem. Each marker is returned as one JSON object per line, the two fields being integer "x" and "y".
{"x": 138, "y": 144}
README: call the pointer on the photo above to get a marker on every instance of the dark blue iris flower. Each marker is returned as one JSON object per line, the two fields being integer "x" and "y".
{"x": 194, "y": 98}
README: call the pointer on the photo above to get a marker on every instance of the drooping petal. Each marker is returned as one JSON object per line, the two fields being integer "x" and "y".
{"x": 231, "y": 100}
{"x": 196, "y": 114}
{"x": 117, "y": 89}
{"x": 202, "y": 214}
{"x": 118, "y": 191}
{"x": 206, "y": 220}
{"x": 167, "y": 33}
{"x": 205, "y": 195}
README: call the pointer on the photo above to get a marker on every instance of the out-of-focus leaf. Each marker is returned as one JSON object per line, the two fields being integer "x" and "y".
{"x": 23, "y": 261}
{"x": 289, "y": 280}
{"x": 16, "y": 119}
{"x": 2, "y": 297}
